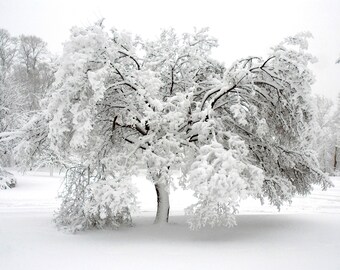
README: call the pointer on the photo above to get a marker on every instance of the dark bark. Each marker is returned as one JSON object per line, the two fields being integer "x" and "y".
{"x": 335, "y": 158}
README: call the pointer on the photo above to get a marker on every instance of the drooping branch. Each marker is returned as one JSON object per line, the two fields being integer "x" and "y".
{"x": 132, "y": 58}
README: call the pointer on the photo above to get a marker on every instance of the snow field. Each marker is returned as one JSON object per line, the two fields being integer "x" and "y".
{"x": 304, "y": 236}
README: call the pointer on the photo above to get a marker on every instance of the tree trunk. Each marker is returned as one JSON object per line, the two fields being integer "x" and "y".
{"x": 335, "y": 158}
{"x": 51, "y": 170}
{"x": 163, "y": 204}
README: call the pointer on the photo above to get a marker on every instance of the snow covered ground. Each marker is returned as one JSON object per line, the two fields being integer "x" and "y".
{"x": 305, "y": 235}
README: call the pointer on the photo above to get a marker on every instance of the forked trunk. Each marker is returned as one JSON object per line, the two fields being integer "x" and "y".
{"x": 163, "y": 204}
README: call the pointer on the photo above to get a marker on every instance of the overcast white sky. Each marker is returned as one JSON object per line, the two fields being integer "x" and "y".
{"x": 242, "y": 27}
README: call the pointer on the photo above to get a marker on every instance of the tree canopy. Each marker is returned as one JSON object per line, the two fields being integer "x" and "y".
{"x": 120, "y": 103}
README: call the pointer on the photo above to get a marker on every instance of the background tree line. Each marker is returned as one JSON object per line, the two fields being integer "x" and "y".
{"x": 26, "y": 73}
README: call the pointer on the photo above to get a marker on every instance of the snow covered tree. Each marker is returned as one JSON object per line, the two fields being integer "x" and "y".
{"x": 33, "y": 147}
{"x": 33, "y": 74}
{"x": 337, "y": 131}
{"x": 7, "y": 54}
{"x": 264, "y": 106}
{"x": 183, "y": 65}
{"x": 7, "y": 180}
{"x": 26, "y": 72}
{"x": 111, "y": 102}
{"x": 91, "y": 114}
{"x": 8, "y": 50}
{"x": 336, "y": 123}
{"x": 237, "y": 132}
{"x": 325, "y": 134}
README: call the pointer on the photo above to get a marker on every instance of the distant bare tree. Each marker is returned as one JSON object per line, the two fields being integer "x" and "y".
{"x": 8, "y": 49}
{"x": 33, "y": 74}
{"x": 26, "y": 72}
{"x": 325, "y": 133}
